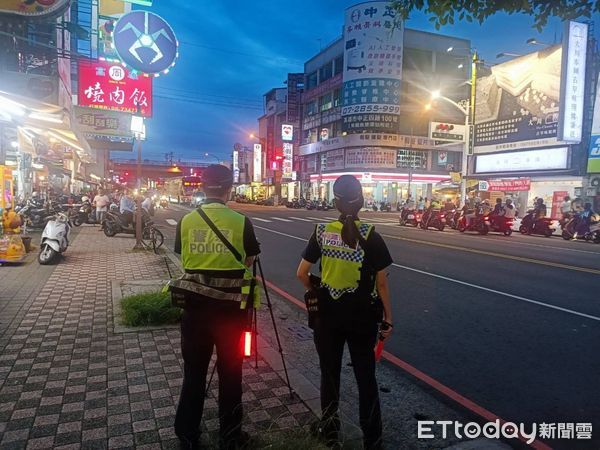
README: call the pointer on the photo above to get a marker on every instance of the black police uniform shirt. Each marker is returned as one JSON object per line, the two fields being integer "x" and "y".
{"x": 251, "y": 247}
{"x": 350, "y": 309}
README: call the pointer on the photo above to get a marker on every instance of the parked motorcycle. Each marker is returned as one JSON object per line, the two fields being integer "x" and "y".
{"x": 592, "y": 234}
{"x": 452, "y": 218}
{"x": 55, "y": 238}
{"x": 385, "y": 207}
{"x": 543, "y": 226}
{"x": 501, "y": 224}
{"x": 114, "y": 223}
{"x": 410, "y": 217}
{"x": 86, "y": 214}
{"x": 35, "y": 216}
{"x": 479, "y": 223}
{"x": 433, "y": 219}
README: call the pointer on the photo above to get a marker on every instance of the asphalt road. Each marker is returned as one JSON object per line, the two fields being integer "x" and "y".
{"x": 510, "y": 323}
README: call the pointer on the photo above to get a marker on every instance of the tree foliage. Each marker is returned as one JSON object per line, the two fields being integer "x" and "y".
{"x": 447, "y": 12}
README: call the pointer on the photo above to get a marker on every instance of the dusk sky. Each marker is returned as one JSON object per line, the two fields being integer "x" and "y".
{"x": 232, "y": 52}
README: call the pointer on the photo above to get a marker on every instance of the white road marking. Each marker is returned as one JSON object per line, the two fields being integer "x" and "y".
{"x": 464, "y": 283}
{"x": 318, "y": 219}
{"x": 301, "y": 218}
{"x": 281, "y": 219}
{"x": 172, "y": 222}
{"x": 262, "y": 220}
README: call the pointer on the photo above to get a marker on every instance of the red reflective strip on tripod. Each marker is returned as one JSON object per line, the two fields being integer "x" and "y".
{"x": 247, "y": 343}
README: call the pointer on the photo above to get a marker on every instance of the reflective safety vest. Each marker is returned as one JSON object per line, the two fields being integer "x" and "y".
{"x": 202, "y": 250}
{"x": 340, "y": 265}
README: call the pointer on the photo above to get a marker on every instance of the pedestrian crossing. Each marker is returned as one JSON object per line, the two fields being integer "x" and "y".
{"x": 392, "y": 221}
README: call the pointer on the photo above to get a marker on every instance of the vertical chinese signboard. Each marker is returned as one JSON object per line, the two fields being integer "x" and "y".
{"x": 573, "y": 82}
{"x": 288, "y": 156}
{"x": 373, "y": 39}
{"x": 594, "y": 155}
{"x": 257, "y": 163}
{"x": 106, "y": 85}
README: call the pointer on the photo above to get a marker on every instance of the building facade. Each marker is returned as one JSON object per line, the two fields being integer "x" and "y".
{"x": 365, "y": 108}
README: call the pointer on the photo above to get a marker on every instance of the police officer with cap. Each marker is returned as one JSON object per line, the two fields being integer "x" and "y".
{"x": 352, "y": 293}
{"x": 217, "y": 291}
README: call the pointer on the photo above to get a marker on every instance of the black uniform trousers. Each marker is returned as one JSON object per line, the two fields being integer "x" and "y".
{"x": 329, "y": 341}
{"x": 202, "y": 328}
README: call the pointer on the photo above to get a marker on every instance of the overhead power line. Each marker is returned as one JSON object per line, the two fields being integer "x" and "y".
{"x": 251, "y": 55}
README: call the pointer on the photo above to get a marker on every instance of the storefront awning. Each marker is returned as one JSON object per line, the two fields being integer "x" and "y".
{"x": 39, "y": 120}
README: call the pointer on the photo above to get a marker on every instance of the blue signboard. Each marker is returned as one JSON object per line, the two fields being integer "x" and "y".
{"x": 145, "y": 42}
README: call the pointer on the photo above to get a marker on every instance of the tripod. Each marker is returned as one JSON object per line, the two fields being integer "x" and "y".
{"x": 257, "y": 269}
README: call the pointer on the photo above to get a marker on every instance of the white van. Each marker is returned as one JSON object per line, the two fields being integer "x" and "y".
{"x": 198, "y": 199}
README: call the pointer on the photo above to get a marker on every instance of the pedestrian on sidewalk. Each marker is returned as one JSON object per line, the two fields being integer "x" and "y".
{"x": 352, "y": 294}
{"x": 101, "y": 202}
{"x": 217, "y": 247}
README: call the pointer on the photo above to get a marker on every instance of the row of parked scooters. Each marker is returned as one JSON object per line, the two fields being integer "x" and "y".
{"x": 485, "y": 223}
{"x": 301, "y": 203}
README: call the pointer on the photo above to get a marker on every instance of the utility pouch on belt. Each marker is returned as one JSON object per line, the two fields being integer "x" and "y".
{"x": 311, "y": 300}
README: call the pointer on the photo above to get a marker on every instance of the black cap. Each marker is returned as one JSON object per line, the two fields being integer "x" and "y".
{"x": 217, "y": 177}
{"x": 348, "y": 189}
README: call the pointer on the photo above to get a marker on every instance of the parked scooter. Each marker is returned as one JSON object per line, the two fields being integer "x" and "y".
{"x": 410, "y": 217}
{"x": 86, "y": 213}
{"x": 55, "y": 238}
{"x": 433, "y": 218}
{"x": 592, "y": 234}
{"x": 501, "y": 224}
{"x": 479, "y": 223}
{"x": 114, "y": 223}
{"x": 543, "y": 226}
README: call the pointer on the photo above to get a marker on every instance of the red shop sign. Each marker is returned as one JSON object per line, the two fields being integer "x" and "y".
{"x": 521, "y": 184}
{"x": 106, "y": 85}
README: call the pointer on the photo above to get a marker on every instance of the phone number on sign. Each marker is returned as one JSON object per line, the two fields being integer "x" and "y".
{"x": 391, "y": 109}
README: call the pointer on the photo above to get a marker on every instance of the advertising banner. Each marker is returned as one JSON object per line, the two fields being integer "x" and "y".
{"x": 557, "y": 200}
{"x": 594, "y": 154}
{"x": 573, "y": 81}
{"x": 236, "y": 166}
{"x": 110, "y": 86}
{"x": 373, "y": 50}
{"x": 371, "y": 157}
{"x": 288, "y": 158}
{"x": 257, "y": 163}
{"x": 447, "y": 132}
{"x": 515, "y": 185}
{"x": 103, "y": 125}
{"x": 525, "y": 161}
{"x": 335, "y": 159}
{"x": 518, "y": 104}
{"x": 287, "y": 132}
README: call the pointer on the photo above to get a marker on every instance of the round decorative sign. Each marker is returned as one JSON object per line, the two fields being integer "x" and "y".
{"x": 145, "y": 42}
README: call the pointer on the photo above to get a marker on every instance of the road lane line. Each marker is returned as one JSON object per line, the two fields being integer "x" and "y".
{"x": 422, "y": 376}
{"x": 318, "y": 219}
{"x": 494, "y": 291}
{"x": 281, "y": 219}
{"x": 464, "y": 283}
{"x": 301, "y": 218}
{"x": 498, "y": 255}
{"x": 262, "y": 220}
{"x": 172, "y": 222}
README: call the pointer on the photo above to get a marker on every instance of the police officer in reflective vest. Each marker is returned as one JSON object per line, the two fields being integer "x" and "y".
{"x": 217, "y": 247}
{"x": 352, "y": 294}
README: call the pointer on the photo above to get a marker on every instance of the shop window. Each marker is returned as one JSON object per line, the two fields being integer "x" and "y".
{"x": 450, "y": 161}
{"x": 338, "y": 65}
{"x": 326, "y": 72}
{"x": 326, "y": 102}
{"x": 337, "y": 98}
{"x": 417, "y": 59}
{"x": 336, "y": 129}
{"x": 311, "y": 81}
{"x": 311, "y": 108}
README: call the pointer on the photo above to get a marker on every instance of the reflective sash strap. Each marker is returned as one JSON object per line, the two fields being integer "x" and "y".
{"x": 207, "y": 291}
{"x": 251, "y": 289}
{"x": 216, "y": 282}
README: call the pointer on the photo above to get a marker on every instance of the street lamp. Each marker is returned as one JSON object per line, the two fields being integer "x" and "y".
{"x": 469, "y": 113}
{"x": 504, "y": 54}
{"x": 213, "y": 156}
{"x": 534, "y": 41}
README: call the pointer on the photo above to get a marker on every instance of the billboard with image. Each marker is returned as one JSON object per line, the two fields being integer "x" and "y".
{"x": 594, "y": 152}
{"x": 535, "y": 100}
{"x": 373, "y": 50}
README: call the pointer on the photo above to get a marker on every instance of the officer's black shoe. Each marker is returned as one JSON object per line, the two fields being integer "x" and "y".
{"x": 327, "y": 431}
{"x": 189, "y": 444}
{"x": 241, "y": 441}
